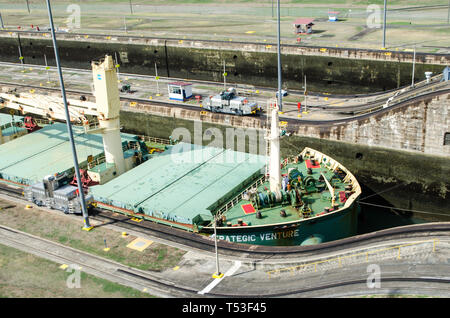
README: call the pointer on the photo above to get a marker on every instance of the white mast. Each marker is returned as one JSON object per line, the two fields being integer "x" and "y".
{"x": 108, "y": 107}
{"x": 274, "y": 137}
{"x": 275, "y": 159}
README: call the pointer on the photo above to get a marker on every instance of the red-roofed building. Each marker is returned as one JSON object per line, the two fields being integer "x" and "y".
{"x": 333, "y": 15}
{"x": 303, "y": 25}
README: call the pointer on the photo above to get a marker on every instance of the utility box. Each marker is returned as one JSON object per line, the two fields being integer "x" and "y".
{"x": 180, "y": 91}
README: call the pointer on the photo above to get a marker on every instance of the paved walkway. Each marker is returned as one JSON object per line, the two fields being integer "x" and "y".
{"x": 193, "y": 276}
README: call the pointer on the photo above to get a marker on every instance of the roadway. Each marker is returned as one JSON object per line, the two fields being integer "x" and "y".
{"x": 320, "y": 107}
{"x": 412, "y": 264}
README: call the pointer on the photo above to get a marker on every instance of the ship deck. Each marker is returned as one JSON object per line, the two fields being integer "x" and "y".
{"x": 182, "y": 185}
{"x": 47, "y": 151}
{"x": 316, "y": 201}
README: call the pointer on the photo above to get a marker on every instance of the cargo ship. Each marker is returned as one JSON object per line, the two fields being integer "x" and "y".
{"x": 242, "y": 197}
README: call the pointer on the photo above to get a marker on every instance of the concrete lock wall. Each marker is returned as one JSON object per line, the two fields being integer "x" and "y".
{"x": 332, "y": 70}
{"x": 370, "y": 148}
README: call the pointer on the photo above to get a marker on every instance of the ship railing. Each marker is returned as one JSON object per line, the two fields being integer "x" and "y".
{"x": 230, "y": 204}
{"x": 41, "y": 121}
{"x": 157, "y": 140}
{"x": 96, "y": 162}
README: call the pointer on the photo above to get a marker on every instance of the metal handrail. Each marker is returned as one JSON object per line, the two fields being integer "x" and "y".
{"x": 227, "y": 206}
{"x": 340, "y": 258}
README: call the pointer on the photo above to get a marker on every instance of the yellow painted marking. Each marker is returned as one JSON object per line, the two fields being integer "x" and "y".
{"x": 268, "y": 46}
{"x": 250, "y": 32}
{"x": 86, "y": 36}
{"x": 158, "y": 94}
{"x": 283, "y": 123}
{"x": 299, "y": 115}
{"x": 106, "y": 249}
{"x": 28, "y": 207}
{"x": 180, "y": 42}
{"x": 215, "y": 275}
{"x": 383, "y": 48}
{"x": 64, "y": 266}
{"x": 32, "y": 91}
{"x": 136, "y": 220}
{"x": 339, "y": 258}
{"x": 124, "y": 234}
{"x": 323, "y": 50}
{"x": 87, "y": 228}
{"x": 133, "y": 104}
{"x": 388, "y": 53}
{"x": 203, "y": 112}
{"x": 176, "y": 268}
{"x": 151, "y": 97}
{"x": 108, "y": 38}
{"x": 140, "y": 244}
{"x": 325, "y": 98}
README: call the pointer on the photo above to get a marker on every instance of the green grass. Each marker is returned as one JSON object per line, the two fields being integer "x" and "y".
{"x": 58, "y": 228}
{"x": 27, "y": 276}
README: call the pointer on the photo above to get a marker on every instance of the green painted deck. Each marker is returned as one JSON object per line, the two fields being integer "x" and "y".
{"x": 182, "y": 183}
{"x": 316, "y": 201}
{"x": 47, "y": 151}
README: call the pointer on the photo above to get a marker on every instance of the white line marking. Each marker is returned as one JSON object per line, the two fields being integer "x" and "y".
{"x": 216, "y": 281}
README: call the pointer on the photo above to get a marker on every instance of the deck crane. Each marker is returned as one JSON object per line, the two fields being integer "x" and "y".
{"x": 106, "y": 109}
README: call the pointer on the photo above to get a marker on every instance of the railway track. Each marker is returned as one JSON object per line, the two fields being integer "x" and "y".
{"x": 363, "y": 113}
{"x": 250, "y": 252}
{"x": 145, "y": 280}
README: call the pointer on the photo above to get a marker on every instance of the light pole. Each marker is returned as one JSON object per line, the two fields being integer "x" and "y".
{"x": 116, "y": 62}
{"x": 131, "y": 7}
{"x": 280, "y": 105}
{"x": 224, "y": 77}
{"x": 47, "y": 68}
{"x": 87, "y": 226}
{"x": 305, "y": 93}
{"x": 217, "y": 274}
{"x": 413, "y": 67}
{"x": 1, "y": 21}
{"x": 157, "y": 81}
{"x": 448, "y": 14}
{"x": 384, "y": 25}
{"x": 28, "y": 7}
